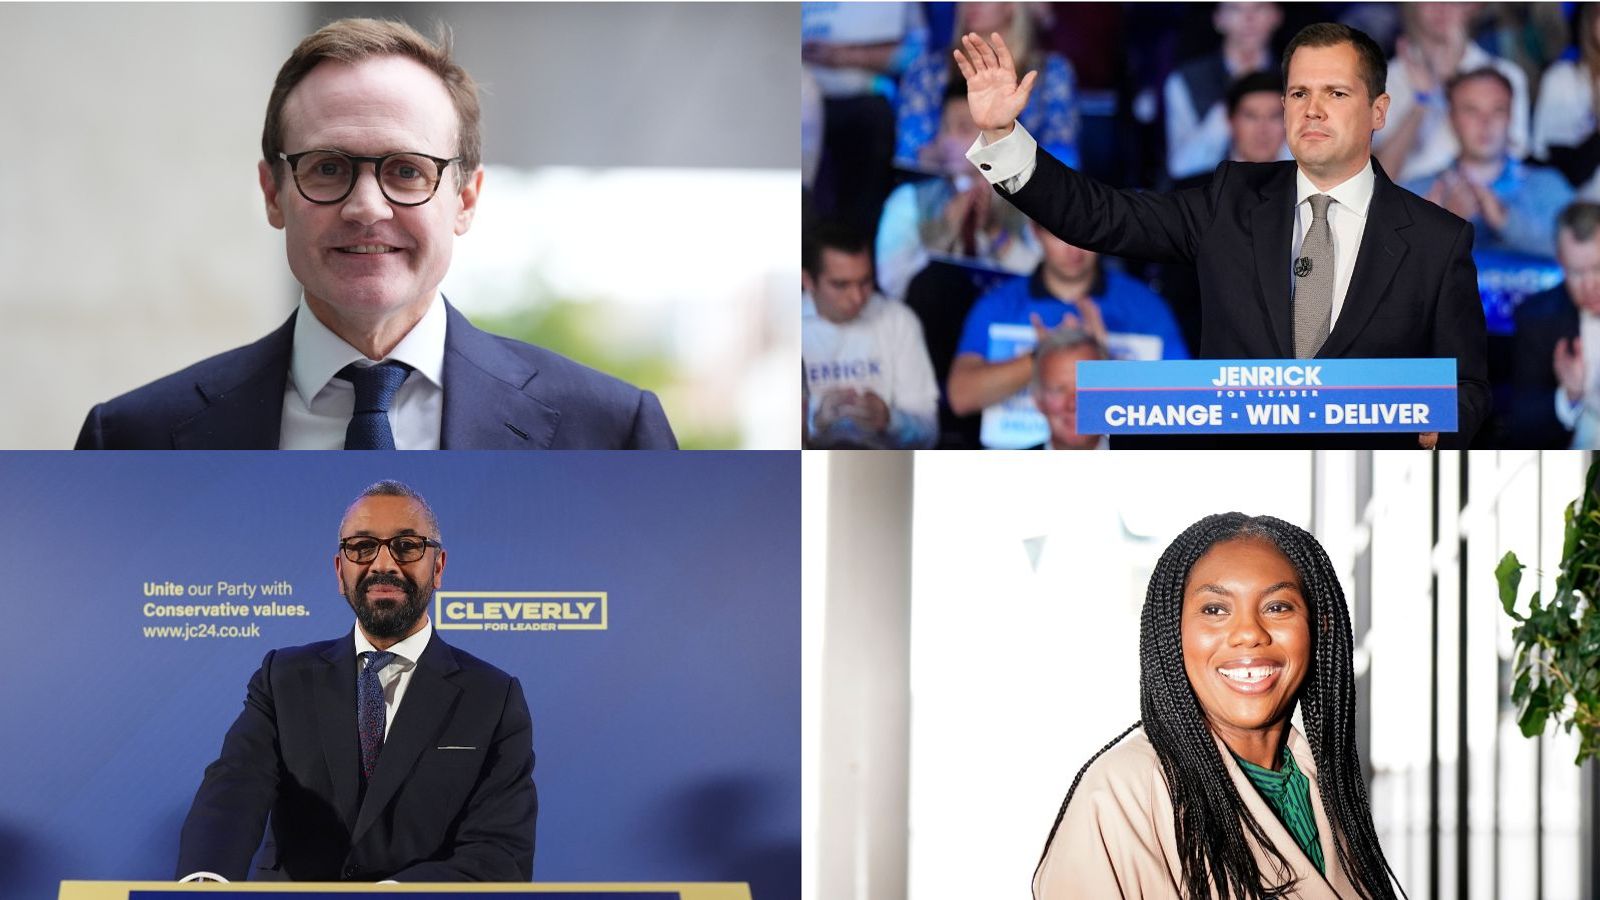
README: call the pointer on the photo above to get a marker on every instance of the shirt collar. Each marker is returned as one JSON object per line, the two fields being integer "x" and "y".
{"x": 408, "y": 650}
{"x": 1285, "y": 767}
{"x": 1354, "y": 193}
{"x": 1510, "y": 176}
{"x": 318, "y": 354}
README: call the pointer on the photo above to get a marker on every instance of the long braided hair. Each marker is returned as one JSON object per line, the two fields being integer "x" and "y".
{"x": 1210, "y": 819}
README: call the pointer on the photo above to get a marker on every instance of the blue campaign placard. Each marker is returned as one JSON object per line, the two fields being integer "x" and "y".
{"x": 1255, "y": 396}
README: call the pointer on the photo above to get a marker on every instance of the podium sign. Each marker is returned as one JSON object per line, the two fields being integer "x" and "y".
{"x": 167, "y": 890}
{"x": 1266, "y": 396}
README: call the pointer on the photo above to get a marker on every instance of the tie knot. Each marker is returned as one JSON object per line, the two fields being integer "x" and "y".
{"x": 376, "y": 660}
{"x": 375, "y": 385}
{"x": 1319, "y": 206}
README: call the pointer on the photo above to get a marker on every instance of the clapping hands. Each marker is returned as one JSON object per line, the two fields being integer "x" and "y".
{"x": 1088, "y": 320}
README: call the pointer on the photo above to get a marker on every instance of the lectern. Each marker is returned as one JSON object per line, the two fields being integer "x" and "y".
{"x": 166, "y": 890}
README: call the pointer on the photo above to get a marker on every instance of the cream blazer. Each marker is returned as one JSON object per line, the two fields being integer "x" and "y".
{"x": 1117, "y": 838}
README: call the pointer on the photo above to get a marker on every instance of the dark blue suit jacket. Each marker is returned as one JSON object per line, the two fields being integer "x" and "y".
{"x": 499, "y": 394}
{"x": 1542, "y": 321}
{"x": 428, "y": 814}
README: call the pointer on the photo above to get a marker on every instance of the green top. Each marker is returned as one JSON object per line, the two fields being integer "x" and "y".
{"x": 1288, "y": 792}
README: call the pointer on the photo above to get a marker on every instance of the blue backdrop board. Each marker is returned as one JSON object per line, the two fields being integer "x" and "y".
{"x": 1506, "y": 279}
{"x": 667, "y": 732}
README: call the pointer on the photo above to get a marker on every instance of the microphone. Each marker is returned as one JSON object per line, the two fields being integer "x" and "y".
{"x": 1302, "y": 267}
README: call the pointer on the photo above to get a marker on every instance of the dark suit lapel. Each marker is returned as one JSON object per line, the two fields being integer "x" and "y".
{"x": 243, "y": 411}
{"x": 427, "y": 702}
{"x": 485, "y": 407}
{"x": 1272, "y": 235}
{"x": 1379, "y": 258}
{"x": 334, "y": 689}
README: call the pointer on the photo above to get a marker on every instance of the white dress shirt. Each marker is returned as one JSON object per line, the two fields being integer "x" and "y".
{"x": 317, "y": 406}
{"x": 1582, "y": 417}
{"x": 396, "y": 676}
{"x": 1347, "y": 218}
{"x": 1010, "y": 162}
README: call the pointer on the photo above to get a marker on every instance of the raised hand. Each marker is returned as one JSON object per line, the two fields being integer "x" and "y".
{"x": 1093, "y": 322}
{"x": 1040, "y": 332}
{"x": 994, "y": 95}
{"x": 1419, "y": 67}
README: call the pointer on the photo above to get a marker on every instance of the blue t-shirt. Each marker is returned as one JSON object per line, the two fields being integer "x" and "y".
{"x": 1127, "y": 306}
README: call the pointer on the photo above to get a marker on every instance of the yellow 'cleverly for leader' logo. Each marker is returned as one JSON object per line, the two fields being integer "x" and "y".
{"x": 520, "y": 610}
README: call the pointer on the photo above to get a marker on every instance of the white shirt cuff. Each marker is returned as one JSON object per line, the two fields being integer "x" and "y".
{"x": 1567, "y": 413}
{"x": 196, "y": 876}
{"x": 1008, "y": 162}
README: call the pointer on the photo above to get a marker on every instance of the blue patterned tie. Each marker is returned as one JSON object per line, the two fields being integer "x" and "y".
{"x": 369, "y": 709}
{"x": 375, "y": 389}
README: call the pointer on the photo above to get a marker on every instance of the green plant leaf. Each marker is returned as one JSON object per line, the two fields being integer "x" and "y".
{"x": 1569, "y": 538}
{"x": 1509, "y": 576}
{"x": 1555, "y": 669}
{"x": 1519, "y": 690}
{"x": 1533, "y": 712}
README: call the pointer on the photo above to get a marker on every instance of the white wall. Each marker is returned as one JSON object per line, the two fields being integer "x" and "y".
{"x": 858, "y": 848}
{"x": 698, "y": 85}
{"x": 132, "y": 237}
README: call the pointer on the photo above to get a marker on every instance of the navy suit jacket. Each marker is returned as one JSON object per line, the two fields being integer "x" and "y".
{"x": 1414, "y": 291}
{"x": 499, "y": 394}
{"x": 428, "y": 814}
{"x": 1542, "y": 321}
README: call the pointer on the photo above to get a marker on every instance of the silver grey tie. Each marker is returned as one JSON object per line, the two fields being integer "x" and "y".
{"x": 1313, "y": 282}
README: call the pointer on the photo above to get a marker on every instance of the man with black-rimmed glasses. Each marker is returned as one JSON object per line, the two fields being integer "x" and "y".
{"x": 355, "y": 792}
{"x": 371, "y": 167}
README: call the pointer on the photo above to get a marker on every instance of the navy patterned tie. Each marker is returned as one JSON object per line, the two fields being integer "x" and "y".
{"x": 375, "y": 389}
{"x": 370, "y": 717}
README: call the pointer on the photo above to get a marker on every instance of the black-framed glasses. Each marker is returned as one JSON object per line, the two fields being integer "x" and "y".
{"x": 328, "y": 176}
{"x": 404, "y": 548}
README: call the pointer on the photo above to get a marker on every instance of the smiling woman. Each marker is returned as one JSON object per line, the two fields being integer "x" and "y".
{"x": 1214, "y": 793}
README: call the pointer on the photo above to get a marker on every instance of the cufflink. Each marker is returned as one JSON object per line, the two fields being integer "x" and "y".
{"x": 985, "y": 166}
